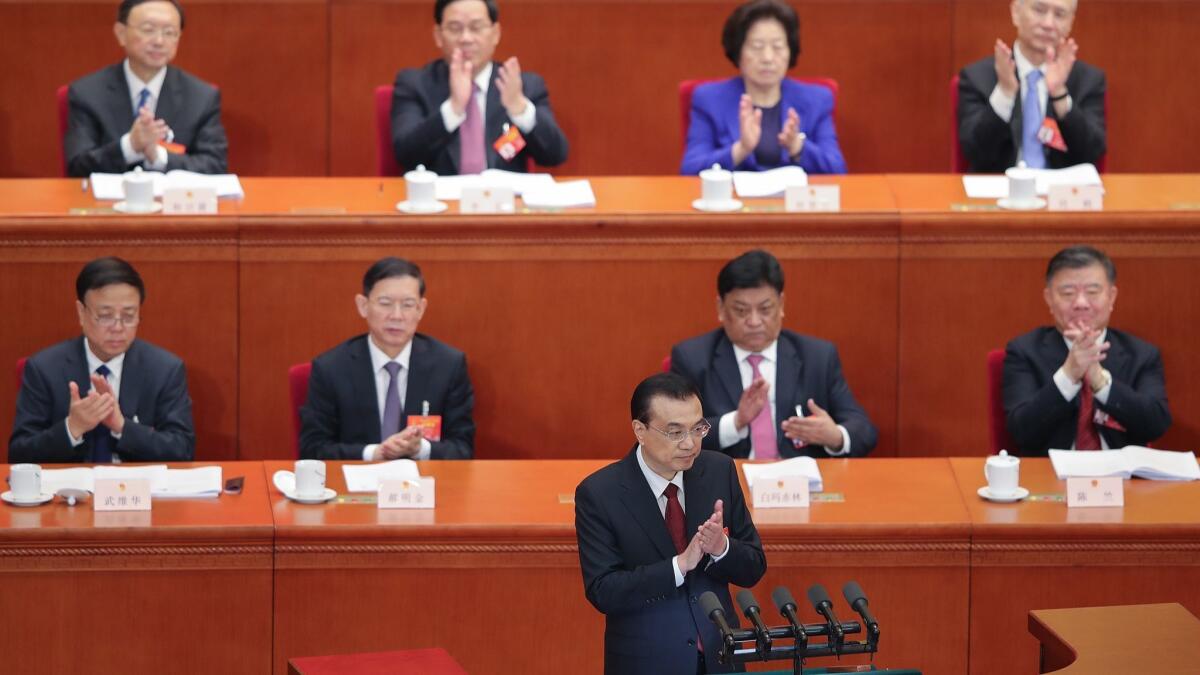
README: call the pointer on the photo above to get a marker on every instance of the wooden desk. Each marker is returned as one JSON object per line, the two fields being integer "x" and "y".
{"x": 1163, "y": 639}
{"x": 184, "y": 588}
{"x": 1038, "y": 554}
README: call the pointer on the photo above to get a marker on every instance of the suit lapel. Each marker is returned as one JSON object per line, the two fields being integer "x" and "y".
{"x": 725, "y": 367}
{"x": 170, "y": 97}
{"x": 120, "y": 100}
{"x": 494, "y": 118}
{"x": 643, "y": 505}
{"x": 131, "y": 390}
{"x": 75, "y": 369}
{"x": 698, "y": 494}
{"x": 440, "y": 92}
{"x": 362, "y": 385}
{"x": 419, "y": 370}
{"x": 788, "y": 371}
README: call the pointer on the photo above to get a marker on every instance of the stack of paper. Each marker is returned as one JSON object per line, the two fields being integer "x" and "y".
{"x": 165, "y": 483}
{"x": 108, "y": 185}
{"x": 366, "y": 477}
{"x": 449, "y": 188}
{"x": 773, "y": 183}
{"x": 1129, "y": 461}
{"x": 797, "y": 466}
{"x": 996, "y": 187}
{"x": 571, "y": 194}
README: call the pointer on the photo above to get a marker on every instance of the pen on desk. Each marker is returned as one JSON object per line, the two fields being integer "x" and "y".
{"x": 83, "y": 185}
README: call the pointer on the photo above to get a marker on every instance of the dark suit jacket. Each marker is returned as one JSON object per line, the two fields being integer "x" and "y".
{"x": 153, "y": 390}
{"x": 1038, "y": 417}
{"x": 625, "y": 553}
{"x": 808, "y": 368}
{"x": 990, "y": 144}
{"x": 101, "y": 112}
{"x": 341, "y": 415}
{"x": 419, "y": 136}
{"x": 714, "y": 127}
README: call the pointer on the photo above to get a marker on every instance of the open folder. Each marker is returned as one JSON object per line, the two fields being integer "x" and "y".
{"x": 1132, "y": 460}
{"x": 796, "y": 466}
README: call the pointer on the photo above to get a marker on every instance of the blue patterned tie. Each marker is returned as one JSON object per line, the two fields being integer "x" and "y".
{"x": 143, "y": 98}
{"x": 391, "y": 403}
{"x": 101, "y": 438}
{"x": 1031, "y": 123}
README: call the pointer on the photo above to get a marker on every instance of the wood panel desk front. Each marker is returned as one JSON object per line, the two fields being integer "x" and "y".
{"x": 1163, "y": 639}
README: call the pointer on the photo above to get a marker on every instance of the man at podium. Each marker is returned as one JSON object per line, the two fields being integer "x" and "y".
{"x": 144, "y": 112}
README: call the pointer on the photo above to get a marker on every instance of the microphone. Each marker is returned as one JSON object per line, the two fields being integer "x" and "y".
{"x": 786, "y": 605}
{"x": 819, "y": 598}
{"x": 711, "y": 606}
{"x": 749, "y": 605}
{"x": 858, "y": 602}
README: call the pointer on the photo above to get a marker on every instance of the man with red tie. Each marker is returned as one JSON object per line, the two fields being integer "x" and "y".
{"x": 658, "y": 529}
{"x": 1080, "y": 384}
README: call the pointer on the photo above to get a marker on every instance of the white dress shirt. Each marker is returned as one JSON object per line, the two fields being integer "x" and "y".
{"x": 658, "y": 486}
{"x": 159, "y": 161}
{"x": 525, "y": 121}
{"x": 1070, "y": 390}
{"x": 115, "y": 366}
{"x": 382, "y": 380}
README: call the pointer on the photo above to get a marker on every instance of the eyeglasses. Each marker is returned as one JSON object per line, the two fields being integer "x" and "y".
{"x": 474, "y": 28}
{"x": 677, "y": 435}
{"x": 387, "y": 305}
{"x": 149, "y": 30}
{"x": 111, "y": 320}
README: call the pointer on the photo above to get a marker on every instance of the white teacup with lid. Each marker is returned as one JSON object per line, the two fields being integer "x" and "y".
{"x": 1003, "y": 472}
{"x": 420, "y": 187}
{"x": 716, "y": 190}
{"x": 138, "y": 186}
{"x": 1022, "y": 189}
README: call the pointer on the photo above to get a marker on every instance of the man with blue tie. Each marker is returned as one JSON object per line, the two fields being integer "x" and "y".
{"x": 106, "y": 396}
{"x": 1034, "y": 102}
{"x": 144, "y": 112}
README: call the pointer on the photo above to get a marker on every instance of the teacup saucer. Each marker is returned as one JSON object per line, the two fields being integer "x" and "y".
{"x": 717, "y": 207}
{"x": 123, "y": 207}
{"x": 1021, "y": 204}
{"x": 7, "y": 496}
{"x": 1017, "y": 496}
{"x": 326, "y": 496}
{"x": 412, "y": 207}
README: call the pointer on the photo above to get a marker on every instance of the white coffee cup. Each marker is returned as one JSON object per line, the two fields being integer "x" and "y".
{"x": 1003, "y": 473}
{"x": 25, "y": 481}
{"x": 310, "y": 478}
{"x": 1022, "y": 185}
{"x": 139, "y": 190}
{"x": 716, "y": 185}
{"x": 419, "y": 187}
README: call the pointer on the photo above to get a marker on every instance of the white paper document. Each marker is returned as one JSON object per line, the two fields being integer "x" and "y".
{"x": 773, "y": 183}
{"x": 566, "y": 195}
{"x": 108, "y": 185}
{"x": 449, "y": 188}
{"x": 1132, "y": 460}
{"x": 796, "y": 466}
{"x": 204, "y": 481}
{"x": 996, "y": 187}
{"x": 366, "y": 477}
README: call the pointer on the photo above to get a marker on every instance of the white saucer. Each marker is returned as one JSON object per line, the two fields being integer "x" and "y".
{"x": 122, "y": 207}
{"x": 717, "y": 207}
{"x": 329, "y": 494}
{"x": 36, "y": 501}
{"x": 1017, "y": 496}
{"x": 409, "y": 207}
{"x": 1023, "y": 205}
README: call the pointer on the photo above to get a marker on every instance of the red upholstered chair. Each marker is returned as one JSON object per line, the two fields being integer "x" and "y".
{"x": 997, "y": 429}
{"x": 666, "y": 364}
{"x": 688, "y": 86}
{"x": 298, "y": 390}
{"x": 20, "y": 370}
{"x": 385, "y": 160}
{"x": 61, "y": 104}
{"x": 958, "y": 161}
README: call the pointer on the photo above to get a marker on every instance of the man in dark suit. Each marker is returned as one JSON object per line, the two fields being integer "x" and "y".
{"x": 1011, "y": 103}
{"x": 105, "y": 396}
{"x": 363, "y": 394}
{"x": 659, "y": 528}
{"x": 144, "y": 112}
{"x": 450, "y": 114}
{"x": 767, "y": 392}
{"x": 1080, "y": 384}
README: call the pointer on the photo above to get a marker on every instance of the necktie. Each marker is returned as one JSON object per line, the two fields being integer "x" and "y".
{"x": 1086, "y": 437}
{"x": 1031, "y": 123}
{"x": 762, "y": 430}
{"x": 143, "y": 98}
{"x": 674, "y": 516}
{"x": 101, "y": 438}
{"x": 470, "y": 138}
{"x": 391, "y": 403}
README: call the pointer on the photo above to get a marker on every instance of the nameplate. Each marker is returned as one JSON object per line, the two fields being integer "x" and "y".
{"x": 812, "y": 198}
{"x": 1075, "y": 198}
{"x": 398, "y": 493}
{"x": 486, "y": 199}
{"x": 785, "y": 492}
{"x": 1106, "y": 491}
{"x": 122, "y": 494}
{"x": 190, "y": 201}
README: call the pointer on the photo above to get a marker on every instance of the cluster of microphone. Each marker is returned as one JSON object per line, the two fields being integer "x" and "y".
{"x": 765, "y": 638}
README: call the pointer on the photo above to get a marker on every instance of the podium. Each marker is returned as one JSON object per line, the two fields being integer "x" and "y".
{"x": 1163, "y": 639}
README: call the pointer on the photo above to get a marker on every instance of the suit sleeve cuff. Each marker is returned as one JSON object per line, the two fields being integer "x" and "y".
{"x": 717, "y": 558}
{"x": 527, "y": 119}
{"x": 159, "y": 160}
{"x": 425, "y": 451}
{"x": 845, "y": 449}
{"x": 450, "y": 119}
{"x": 131, "y": 157}
{"x": 75, "y": 442}
{"x": 1066, "y": 387}
{"x": 369, "y": 452}
{"x": 1001, "y": 104}
{"x": 727, "y": 433}
{"x": 678, "y": 574}
{"x": 1102, "y": 395}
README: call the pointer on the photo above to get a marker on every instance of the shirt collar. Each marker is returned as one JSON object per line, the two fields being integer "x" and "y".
{"x": 768, "y": 354}
{"x": 379, "y": 359}
{"x": 114, "y": 364}
{"x": 657, "y": 483}
{"x": 484, "y": 78}
{"x": 1024, "y": 66}
{"x": 136, "y": 85}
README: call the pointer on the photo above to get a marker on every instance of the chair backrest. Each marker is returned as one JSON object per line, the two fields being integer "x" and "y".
{"x": 62, "y": 107}
{"x": 298, "y": 390}
{"x": 20, "y": 371}
{"x": 687, "y": 87}
{"x": 385, "y": 160}
{"x": 997, "y": 427}
{"x": 666, "y": 363}
{"x": 958, "y": 161}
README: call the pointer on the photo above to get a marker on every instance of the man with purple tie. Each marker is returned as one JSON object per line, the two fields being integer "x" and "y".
{"x": 1034, "y": 102}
